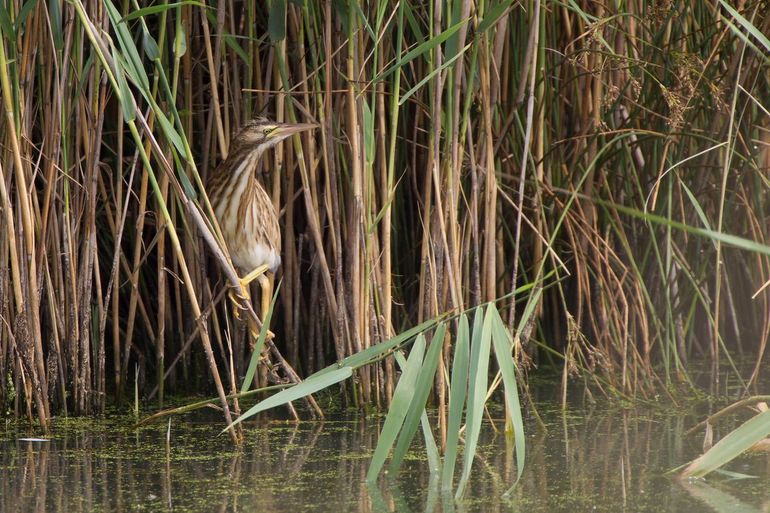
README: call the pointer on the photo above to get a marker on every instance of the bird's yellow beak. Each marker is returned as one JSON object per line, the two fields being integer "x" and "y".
{"x": 286, "y": 129}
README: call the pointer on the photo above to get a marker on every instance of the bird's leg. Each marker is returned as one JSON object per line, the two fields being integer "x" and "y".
{"x": 266, "y": 285}
{"x": 266, "y": 288}
{"x": 253, "y": 275}
{"x": 243, "y": 295}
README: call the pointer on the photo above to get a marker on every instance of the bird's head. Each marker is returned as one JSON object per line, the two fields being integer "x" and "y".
{"x": 261, "y": 133}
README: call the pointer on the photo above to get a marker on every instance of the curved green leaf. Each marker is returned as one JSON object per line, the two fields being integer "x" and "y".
{"x": 298, "y": 391}
{"x": 421, "y": 391}
{"x": 503, "y": 345}
{"x": 399, "y": 406}
{"x": 156, "y": 9}
{"x": 374, "y": 352}
{"x": 457, "y": 393}
{"x": 477, "y": 392}
{"x": 731, "y": 446}
{"x": 255, "y": 356}
{"x": 276, "y": 20}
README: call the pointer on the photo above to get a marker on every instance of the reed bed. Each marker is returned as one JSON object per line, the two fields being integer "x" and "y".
{"x": 599, "y": 170}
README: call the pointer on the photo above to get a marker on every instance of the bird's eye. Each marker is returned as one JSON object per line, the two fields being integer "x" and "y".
{"x": 267, "y": 130}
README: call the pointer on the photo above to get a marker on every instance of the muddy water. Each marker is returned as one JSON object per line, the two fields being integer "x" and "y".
{"x": 591, "y": 458}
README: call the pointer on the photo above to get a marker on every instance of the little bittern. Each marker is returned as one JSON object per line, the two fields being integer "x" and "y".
{"x": 245, "y": 213}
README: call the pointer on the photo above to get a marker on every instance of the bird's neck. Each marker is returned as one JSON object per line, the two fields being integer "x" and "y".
{"x": 241, "y": 164}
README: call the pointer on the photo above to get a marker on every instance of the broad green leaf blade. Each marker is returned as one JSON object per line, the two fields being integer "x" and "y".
{"x": 746, "y": 24}
{"x": 255, "y": 356}
{"x": 431, "y": 449}
{"x": 731, "y": 446}
{"x": 187, "y": 185}
{"x": 21, "y": 18}
{"x": 532, "y": 301}
{"x": 134, "y": 67}
{"x": 411, "y": 20}
{"x": 232, "y": 43}
{"x": 478, "y": 325}
{"x": 733, "y": 476}
{"x": 493, "y": 16}
{"x": 399, "y": 406}
{"x": 169, "y": 131}
{"x": 450, "y": 48}
{"x": 374, "y": 352}
{"x": 714, "y": 499}
{"x": 503, "y": 345}
{"x": 421, "y": 391}
{"x": 378, "y": 502}
{"x": 276, "y": 20}
{"x": 368, "y": 133}
{"x": 54, "y": 13}
{"x": 298, "y": 391}
{"x": 421, "y": 49}
{"x": 150, "y": 46}
{"x": 430, "y": 75}
{"x": 696, "y": 205}
{"x": 434, "y": 493}
{"x": 477, "y": 392}
{"x": 457, "y": 393}
{"x": 363, "y": 19}
{"x": 726, "y": 238}
{"x": 180, "y": 41}
{"x": 126, "y": 101}
{"x": 5, "y": 23}
{"x": 156, "y": 9}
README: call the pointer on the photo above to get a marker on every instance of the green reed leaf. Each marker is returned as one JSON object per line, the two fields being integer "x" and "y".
{"x": 276, "y": 20}
{"x": 477, "y": 392}
{"x": 150, "y": 46}
{"x": 747, "y": 25}
{"x": 457, "y": 392}
{"x": 21, "y": 17}
{"x": 126, "y": 100}
{"x": 157, "y": 9}
{"x": 376, "y": 351}
{"x": 493, "y": 16}
{"x": 731, "y": 446}
{"x": 368, "y": 133}
{"x": 298, "y": 391}
{"x": 257, "y": 354}
{"x": 421, "y": 391}
{"x": 399, "y": 407}
{"x": 503, "y": 345}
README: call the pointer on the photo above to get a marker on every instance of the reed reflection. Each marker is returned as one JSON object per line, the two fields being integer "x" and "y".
{"x": 590, "y": 458}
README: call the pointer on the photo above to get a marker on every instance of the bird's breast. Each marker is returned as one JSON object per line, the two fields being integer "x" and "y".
{"x": 255, "y": 255}
{"x": 251, "y": 229}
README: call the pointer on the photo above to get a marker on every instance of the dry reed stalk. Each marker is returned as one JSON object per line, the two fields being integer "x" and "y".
{"x": 451, "y": 168}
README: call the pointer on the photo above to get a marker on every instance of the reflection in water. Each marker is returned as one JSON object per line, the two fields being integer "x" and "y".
{"x": 717, "y": 499}
{"x": 595, "y": 460}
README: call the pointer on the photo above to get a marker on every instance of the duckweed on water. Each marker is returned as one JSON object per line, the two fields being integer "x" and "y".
{"x": 588, "y": 457}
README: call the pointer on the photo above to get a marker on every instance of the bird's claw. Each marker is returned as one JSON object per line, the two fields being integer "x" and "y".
{"x": 238, "y": 300}
{"x": 268, "y": 336}
{"x": 241, "y": 299}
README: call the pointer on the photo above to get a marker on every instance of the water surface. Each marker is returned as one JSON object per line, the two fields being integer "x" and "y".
{"x": 591, "y": 458}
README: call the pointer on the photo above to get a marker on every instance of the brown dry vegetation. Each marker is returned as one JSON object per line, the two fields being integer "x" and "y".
{"x": 610, "y": 158}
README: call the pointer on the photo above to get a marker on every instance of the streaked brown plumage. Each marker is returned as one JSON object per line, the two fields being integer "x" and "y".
{"x": 245, "y": 213}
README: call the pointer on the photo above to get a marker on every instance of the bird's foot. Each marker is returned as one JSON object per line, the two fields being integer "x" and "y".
{"x": 239, "y": 299}
{"x": 253, "y": 275}
{"x": 255, "y": 336}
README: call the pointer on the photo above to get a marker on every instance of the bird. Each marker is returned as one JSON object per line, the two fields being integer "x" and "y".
{"x": 245, "y": 213}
